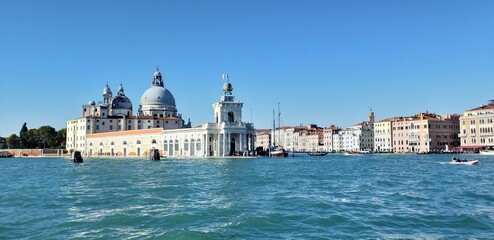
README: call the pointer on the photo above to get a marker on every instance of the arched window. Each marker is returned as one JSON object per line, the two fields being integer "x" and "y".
{"x": 112, "y": 143}
{"x": 138, "y": 142}
{"x": 101, "y": 143}
{"x": 124, "y": 142}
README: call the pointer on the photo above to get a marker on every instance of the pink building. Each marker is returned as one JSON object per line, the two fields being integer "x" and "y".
{"x": 426, "y": 132}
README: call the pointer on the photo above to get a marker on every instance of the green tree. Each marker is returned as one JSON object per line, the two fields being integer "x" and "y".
{"x": 32, "y": 139}
{"x": 47, "y": 137}
{"x": 61, "y": 137}
{"x": 22, "y": 134}
{"x": 11, "y": 141}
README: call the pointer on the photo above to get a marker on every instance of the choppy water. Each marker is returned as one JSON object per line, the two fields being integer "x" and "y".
{"x": 331, "y": 197}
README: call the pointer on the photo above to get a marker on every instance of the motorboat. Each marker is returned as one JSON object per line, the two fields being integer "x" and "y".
{"x": 455, "y": 160}
{"x": 487, "y": 152}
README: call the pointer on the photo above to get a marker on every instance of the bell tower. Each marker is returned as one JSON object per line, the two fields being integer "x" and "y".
{"x": 107, "y": 94}
{"x": 228, "y": 110}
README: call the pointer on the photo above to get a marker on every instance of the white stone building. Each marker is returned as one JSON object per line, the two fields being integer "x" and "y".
{"x": 383, "y": 135}
{"x": 338, "y": 142}
{"x": 359, "y": 137}
{"x": 110, "y": 129}
{"x": 476, "y": 127}
{"x": 328, "y": 134}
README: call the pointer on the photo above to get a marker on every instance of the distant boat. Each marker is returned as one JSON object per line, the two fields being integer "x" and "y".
{"x": 277, "y": 152}
{"x": 317, "y": 153}
{"x": 455, "y": 160}
{"x": 487, "y": 152}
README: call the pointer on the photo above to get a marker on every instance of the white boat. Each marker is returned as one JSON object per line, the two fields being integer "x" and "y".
{"x": 277, "y": 151}
{"x": 487, "y": 152}
{"x": 464, "y": 161}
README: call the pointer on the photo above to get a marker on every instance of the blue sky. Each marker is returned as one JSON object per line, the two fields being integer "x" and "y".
{"x": 326, "y": 62}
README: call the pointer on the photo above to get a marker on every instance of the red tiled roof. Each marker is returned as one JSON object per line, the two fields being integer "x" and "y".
{"x": 488, "y": 106}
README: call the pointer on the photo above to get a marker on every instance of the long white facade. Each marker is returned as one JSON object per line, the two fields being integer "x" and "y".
{"x": 158, "y": 126}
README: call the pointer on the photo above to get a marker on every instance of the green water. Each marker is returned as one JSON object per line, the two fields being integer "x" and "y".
{"x": 330, "y": 197}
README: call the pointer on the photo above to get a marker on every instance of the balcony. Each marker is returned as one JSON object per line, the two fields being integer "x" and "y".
{"x": 462, "y": 135}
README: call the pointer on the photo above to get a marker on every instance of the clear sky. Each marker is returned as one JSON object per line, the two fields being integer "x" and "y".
{"x": 326, "y": 62}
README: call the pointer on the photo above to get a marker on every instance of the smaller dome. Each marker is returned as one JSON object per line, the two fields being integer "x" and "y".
{"x": 121, "y": 90}
{"x": 121, "y": 102}
{"x": 157, "y": 73}
{"x": 91, "y": 103}
{"x": 227, "y": 87}
{"x": 107, "y": 90}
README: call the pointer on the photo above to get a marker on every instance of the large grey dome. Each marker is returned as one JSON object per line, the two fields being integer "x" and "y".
{"x": 156, "y": 95}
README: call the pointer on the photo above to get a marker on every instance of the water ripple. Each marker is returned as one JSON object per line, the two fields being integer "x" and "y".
{"x": 331, "y": 197}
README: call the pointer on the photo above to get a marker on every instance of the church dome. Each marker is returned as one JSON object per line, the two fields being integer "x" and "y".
{"x": 107, "y": 90}
{"x": 121, "y": 102}
{"x": 156, "y": 95}
{"x": 91, "y": 103}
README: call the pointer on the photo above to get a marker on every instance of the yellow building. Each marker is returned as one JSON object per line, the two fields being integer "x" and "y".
{"x": 476, "y": 127}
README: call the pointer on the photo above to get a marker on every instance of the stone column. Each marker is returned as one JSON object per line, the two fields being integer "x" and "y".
{"x": 241, "y": 137}
{"x": 224, "y": 144}
{"x": 218, "y": 146}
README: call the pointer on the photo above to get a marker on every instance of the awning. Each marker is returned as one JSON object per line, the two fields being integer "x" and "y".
{"x": 470, "y": 147}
